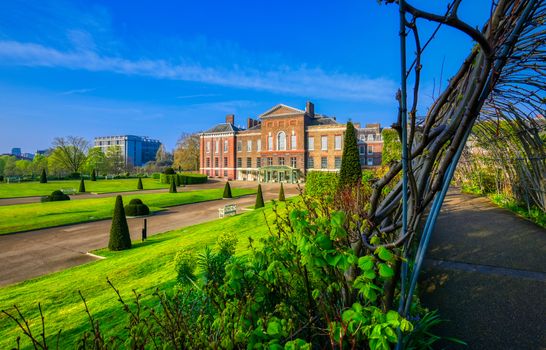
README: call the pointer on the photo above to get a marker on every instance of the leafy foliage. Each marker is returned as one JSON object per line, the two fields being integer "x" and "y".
{"x": 172, "y": 189}
{"x": 136, "y": 208}
{"x": 392, "y": 148}
{"x": 169, "y": 171}
{"x": 56, "y": 196}
{"x": 120, "y": 238}
{"x": 227, "y": 190}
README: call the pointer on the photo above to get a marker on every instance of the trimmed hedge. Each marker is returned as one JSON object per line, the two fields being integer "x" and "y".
{"x": 259, "y": 198}
{"x": 56, "y": 196}
{"x": 156, "y": 176}
{"x": 120, "y": 238}
{"x": 169, "y": 171}
{"x": 320, "y": 183}
{"x": 281, "y": 194}
{"x": 139, "y": 185}
{"x": 184, "y": 178}
{"x": 172, "y": 189}
{"x": 43, "y": 177}
{"x": 227, "y": 191}
{"x": 82, "y": 186}
{"x": 136, "y": 208}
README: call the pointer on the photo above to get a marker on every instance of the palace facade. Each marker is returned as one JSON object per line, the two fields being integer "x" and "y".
{"x": 282, "y": 145}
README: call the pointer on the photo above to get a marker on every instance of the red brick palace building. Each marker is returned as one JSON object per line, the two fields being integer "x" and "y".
{"x": 282, "y": 144}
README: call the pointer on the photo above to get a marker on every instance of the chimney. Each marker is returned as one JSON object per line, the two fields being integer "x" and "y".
{"x": 250, "y": 123}
{"x": 230, "y": 119}
{"x": 310, "y": 109}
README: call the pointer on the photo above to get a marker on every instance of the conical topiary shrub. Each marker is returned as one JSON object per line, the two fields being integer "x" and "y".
{"x": 350, "y": 174}
{"x": 139, "y": 185}
{"x": 120, "y": 238}
{"x": 173, "y": 186}
{"x": 227, "y": 191}
{"x": 176, "y": 179}
{"x": 43, "y": 177}
{"x": 82, "y": 186}
{"x": 259, "y": 198}
{"x": 93, "y": 175}
{"x": 281, "y": 194}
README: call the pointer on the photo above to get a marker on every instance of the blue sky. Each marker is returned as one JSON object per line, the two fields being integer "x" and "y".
{"x": 160, "y": 68}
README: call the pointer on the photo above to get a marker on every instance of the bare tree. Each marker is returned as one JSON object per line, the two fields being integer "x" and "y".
{"x": 186, "y": 154}
{"x": 70, "y": 151}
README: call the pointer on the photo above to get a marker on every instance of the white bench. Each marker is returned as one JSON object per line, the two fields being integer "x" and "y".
{"x": 68, "y": 190}
{"x": 230, "y": 209}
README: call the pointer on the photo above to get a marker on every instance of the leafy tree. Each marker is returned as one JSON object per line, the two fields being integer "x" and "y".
{"x": 9, "y": 168}
{"x": 96, "y": 160}
{"x": 82, "y": 186}
{"x": 24, "y": 167}
{"x": 39, "y": 163}
{"x": 162, "y": 155}
{"x": 173, "y": 185}
{"x": 227, "y": 190}
{"x": 70, "y": 152}
{"x": 281, "y": 194}
{"x": 114, "y": 160}
{"x": 139, "y": 185}
{"x": 259, "y": 198}
{"x": 186, "y": 154}
{"x": 169, "y": 171}
{"x": 120, "y": 238}
{"x": 350, "y": 173}
{"x": 93, "y": 175}
{"x": 43, "y": 177}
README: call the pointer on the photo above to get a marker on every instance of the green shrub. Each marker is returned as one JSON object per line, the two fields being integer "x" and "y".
{"x": 227, "y": 191}
{"x": 136, "y": 208}
{"x": 56, "y": 196}
{"x": 172, "y": 189}
{"x": 184, "y": 178}
{"x": 350, "y": 173}
{"x": 259, "y": 198}
{"x": 82, "y": 186}
{"x": 169, "y": 171}
{"x": 93, "y": 175}
{"x": 120, "y": 238}
{"x": 139, "y": 185}
{"x": 185, "y": 266}
{"x": 74, "y": 176}
{"x": 281, "y": 194}
{"x": 321, "y": 184}
{"x": 176, "y": 180}
{"x": 43, "y": 177}
{"x": 156, "y": 176}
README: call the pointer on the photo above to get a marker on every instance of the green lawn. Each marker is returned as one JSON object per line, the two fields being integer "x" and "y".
{"x": 147, "y": 266}
{"x": 24, "y": 217}
{"x": 29, "y": 189}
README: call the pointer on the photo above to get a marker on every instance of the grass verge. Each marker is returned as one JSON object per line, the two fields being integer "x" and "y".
{"x": 30, "y": 189}
{"x": 147, "y": 266}
{"x": 24, "y": 217}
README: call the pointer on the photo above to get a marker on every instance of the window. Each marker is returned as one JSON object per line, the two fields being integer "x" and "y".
{"x": 258, "y": 162}
{"x": 370, "y": 161}
{"x": 225, "y": 145}
{"x": 337, "y": 142}
{"x": 370, "y": 137}
{"x": 281, "y": 160}
{"x": 225, "y": 162}
{"x": 208, "y": 162}
{"x": 311, "y": 143}
{"x": 269, "y": 161}
{"x": 270, "y": 142}
{"x": 259, "y": 145}
{"x": 216, "y": 146}
{"x": 216, "y": 162}
{"x": 293, "y": 141}
{"x": 208, "y": 172}
{"x": 362, "y": 149}
{"x": 239, "y": 146}
{"x": 208, "y": 146}
{"x": 324, "y": 143}
{"x": 337, "y": 163}
{"x": 293, "y": 162}
{"x": 249, "y": 162}
{"x": 310, "y": 162}
{"x": 324, "y": 162}
{"x": 370, "y": 150}
{"x": 281, "y": 141}
{"x": 239, "y": 162}
{"x": 225, "y": 173}
{"x": 249, "y": 146}
{"x": 216, "y": 173}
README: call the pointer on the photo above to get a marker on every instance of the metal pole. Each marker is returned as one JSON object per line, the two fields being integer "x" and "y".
{"x": 145, "y": 230}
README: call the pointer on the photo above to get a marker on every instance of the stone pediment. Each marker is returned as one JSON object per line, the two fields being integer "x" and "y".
{"x": 280, "y": 110}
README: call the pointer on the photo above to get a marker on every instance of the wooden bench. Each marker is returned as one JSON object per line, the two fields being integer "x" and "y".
{"x": 230, "y": 209}
{"x": 68, "y": 190}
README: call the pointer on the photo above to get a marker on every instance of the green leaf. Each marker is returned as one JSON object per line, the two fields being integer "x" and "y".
{"x": 370, "y": 274}
{"x": 366, "y": 262}
{"x": 384, "y": 254}
{"x": 406, "y": 326}
{"x": 273, "y": 328}
{"x": 385, "y": 271}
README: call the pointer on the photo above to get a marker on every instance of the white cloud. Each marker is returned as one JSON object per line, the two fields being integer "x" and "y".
{"x": 76, "y": 91}
{"x": 299, "y": 81}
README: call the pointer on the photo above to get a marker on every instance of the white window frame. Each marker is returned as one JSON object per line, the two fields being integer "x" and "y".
{"x": 281, "y": 141}
{"x": 311, "y": 143}
{"x": 249, "y": 145}
{"x": 324, "y": 143}
{"x": 216, "y": 146}
{"x": 225, "y": 145}
{"x": 337, "y": 145}
{"x": 370, "y": 150}
{"x": 259, "y": 145}
{"x": 239, "y": 146}
{"x": 293, "y": 141}
{"x": 270, "y": 142}
{"x": 208, "y": 146}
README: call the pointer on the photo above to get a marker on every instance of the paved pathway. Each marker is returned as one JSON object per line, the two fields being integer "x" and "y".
{"x": 30, "y": 254}
{"x": 486, "y": 272}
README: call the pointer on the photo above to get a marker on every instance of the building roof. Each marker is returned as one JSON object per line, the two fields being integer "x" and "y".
{"x": 224, "y": 127}
{"x": 286, "y": 110}
{"x": 322, "y": 120}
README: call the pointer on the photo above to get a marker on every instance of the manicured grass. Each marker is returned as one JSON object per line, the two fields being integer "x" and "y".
{"x": 29, "y": 189}
{"x": 147, "y": 266}
{"x": 24, "y": 217}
